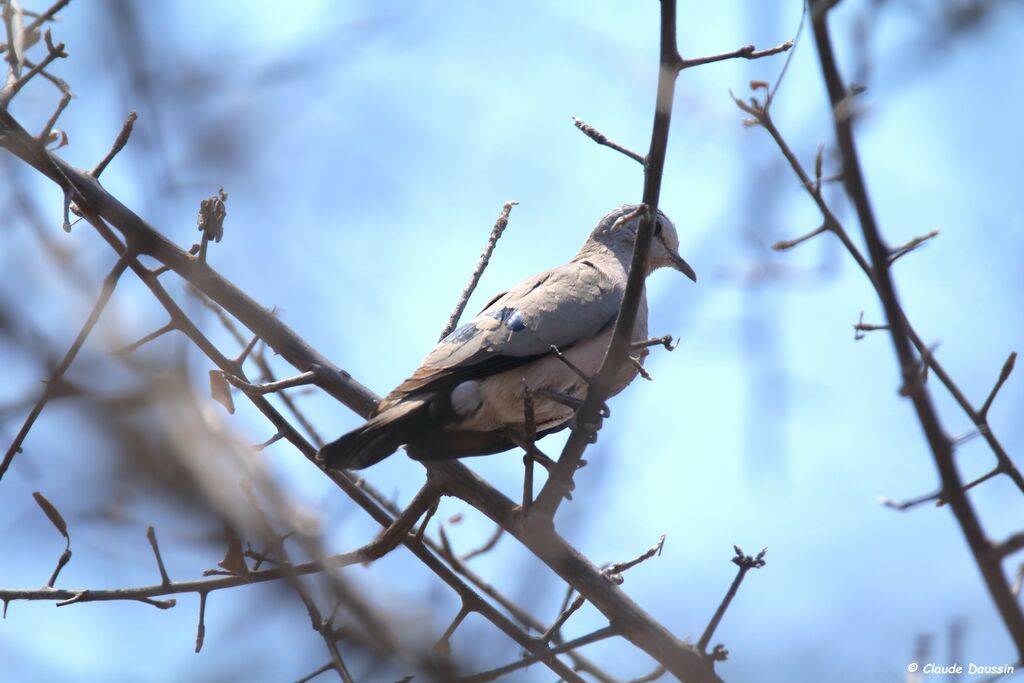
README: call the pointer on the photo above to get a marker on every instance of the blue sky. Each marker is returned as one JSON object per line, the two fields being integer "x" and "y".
{"x": 367, "y": 150}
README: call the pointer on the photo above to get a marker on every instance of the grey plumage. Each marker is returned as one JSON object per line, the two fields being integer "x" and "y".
{"x": 466, "y": 398}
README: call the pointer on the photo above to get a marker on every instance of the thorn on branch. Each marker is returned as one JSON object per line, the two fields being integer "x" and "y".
{"x": 910, "y": 246}
{"x": 308, "y": 377}
{"x": 119, "y": 143}
{"x": 159, "y": 604}
{"x": 397, "y": 531}
{"x": 443, "y": 645}
{"x": 151, "y": 535}
{"x": 134, "y": 346}
{"x": 783, "y": 245}
{"x": 618, "y": 568}
{"x": 494, "y": 674}
{"x": 613, "y": 573}
{"x": 269, "y": 442}
{"x": 488, "y": 545}
{"x": 658, "y": 672}
{"x": 329, "y": 666}
{"x": 902, "y": 506}
{"x": 427, "y": 516}
{"x": 77, "y": 597}
{"x": 48, "y": 135}
{"x": 201, "y": 629}
{"x": 860, "y": 327}
{"x": 939, "y": 496}
{"x": 665, "y": 341}
{"x": 1004, "y": 375}
{"x": 600, "y": 138}
{"x": 247, "y": 350}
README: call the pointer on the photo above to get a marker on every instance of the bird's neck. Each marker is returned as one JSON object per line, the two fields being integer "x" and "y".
{"x": 623, "y": 257}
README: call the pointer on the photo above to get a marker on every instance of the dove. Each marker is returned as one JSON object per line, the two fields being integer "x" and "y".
{"x": 466, "y": 398}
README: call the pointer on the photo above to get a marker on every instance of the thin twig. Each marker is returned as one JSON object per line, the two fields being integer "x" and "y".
{"x": 44, "y": 135}
{"x": 666, "y": 341}
{"x": 486, "y": 547}
{"x": 560, "y": 480}
{"x": 308, "y": 377}
{"x": 783, "y": 245}
{"x": 13, "y": 87}
{"x": 263, "y": 445}
{"x": 600, "y": 634}
{"x": 745, "y": 564}
{"x": 134, "y": 346}
{"x": 860, "y": 327}
{"x": 1004, "y": 375}
{"x": 323, "y": 669}
{"x": 119, "y": 143}
{"x": 762, "y": 117}
{"x": 910, "y": 246}
{"x": 396, "y": 532}
{"x": 107, "y": 289}
{"x": 64, "y": 558}
{"x": 939, "y": 444}
{"x": 485, "y": 257}
{"x": 151, "y": 535}
{"x": 601, "y": 139}
{"x": 638, "y": 626}
{"x": 443, "y": 644}
{"x": 745, "y": 52}
{"x": 201, "y": 628}
{"x": 658, "y": 672}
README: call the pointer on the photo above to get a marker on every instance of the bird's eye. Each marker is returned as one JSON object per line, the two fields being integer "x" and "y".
{"x": 657, "y": 228}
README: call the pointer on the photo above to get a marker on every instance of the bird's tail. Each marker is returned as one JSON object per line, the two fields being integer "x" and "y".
{"x": 376, "y": 439}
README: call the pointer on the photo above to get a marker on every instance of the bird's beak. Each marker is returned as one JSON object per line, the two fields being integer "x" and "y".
{"x": 682, "y": 266}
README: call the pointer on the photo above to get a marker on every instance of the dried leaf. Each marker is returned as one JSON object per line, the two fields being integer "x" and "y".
{"x": 58, "y": 137}
{"x": 758, "y": 85}
{"x": 212, "y": 213}
{"x": 456, "y": 518}
{"x": 234, "y": 559}
{"x": 52, "y": 513}
{"x": 220, "y": 390}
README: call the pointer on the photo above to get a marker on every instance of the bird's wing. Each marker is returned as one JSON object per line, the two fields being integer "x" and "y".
{"x": 558, "y": 307}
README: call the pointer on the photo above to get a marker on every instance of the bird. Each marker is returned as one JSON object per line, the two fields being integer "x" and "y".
{"x": 467, "y": 396}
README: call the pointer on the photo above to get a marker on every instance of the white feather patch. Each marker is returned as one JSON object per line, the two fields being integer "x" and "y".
{"x": 466, "y": 398}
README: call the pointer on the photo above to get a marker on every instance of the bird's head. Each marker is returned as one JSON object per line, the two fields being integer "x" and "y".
{"x": 617, "y": 231}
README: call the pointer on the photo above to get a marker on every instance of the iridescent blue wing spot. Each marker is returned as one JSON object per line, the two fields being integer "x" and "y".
{"x": 461, "y": 334}
{"x": 512, "y": 318}
{"x": 516, "y": 321}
